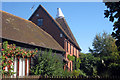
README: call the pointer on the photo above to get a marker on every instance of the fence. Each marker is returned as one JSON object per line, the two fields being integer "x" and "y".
{"x": 34, "y": 77}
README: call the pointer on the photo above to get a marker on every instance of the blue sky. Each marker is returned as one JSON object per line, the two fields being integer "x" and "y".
{"x": 85, "y": 19}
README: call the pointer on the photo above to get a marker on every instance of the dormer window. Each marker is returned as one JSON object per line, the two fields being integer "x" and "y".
{"x": 40, "y": 22}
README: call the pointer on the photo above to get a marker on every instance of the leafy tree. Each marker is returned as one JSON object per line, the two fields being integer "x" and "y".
{"x": 114, "y": 64}
{"x": 103, "y": 45}
{"x": 113, "y": 13}
{"x": 88, "y": 64}
{"x": 47, "y": 64}
{"x": 105, "y": 49}
{"x": 114, "y": 69}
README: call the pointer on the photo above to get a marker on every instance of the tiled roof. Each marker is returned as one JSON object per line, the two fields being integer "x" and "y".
{"x": 24, "y": 31}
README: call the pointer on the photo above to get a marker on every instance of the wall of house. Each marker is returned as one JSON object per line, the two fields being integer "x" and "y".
{"x": 70, "y": 50}
{"x": 22, "y": 66}
{"x": 48, "y": 25}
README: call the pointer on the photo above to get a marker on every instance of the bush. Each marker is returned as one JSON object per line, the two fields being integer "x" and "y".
{"x": 78, "y": 72}
{"x": 47, "y": 65}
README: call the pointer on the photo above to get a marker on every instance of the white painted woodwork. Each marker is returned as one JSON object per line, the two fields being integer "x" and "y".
{"x": 12, "y": 70}
{"x": 27, "y": 66}
{"x": 23, "y": 67}
{"x": 20, "y": 67}
{"x": 15, "y": 67}
{"x": 6, "y": 68}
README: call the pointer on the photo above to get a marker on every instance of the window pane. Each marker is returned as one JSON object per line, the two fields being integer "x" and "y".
{"x": 73, "y": 50}
{"x": 40, "y": 22}
{"x": 67, "y": 46}
{"x": 70, "y": 48}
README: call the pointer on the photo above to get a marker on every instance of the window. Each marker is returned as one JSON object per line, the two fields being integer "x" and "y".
{"x": 73, "y": 49}
{"x": 70, "y": 66}
{"x": 75, "y": 63}
{"x": 70, "y": 48}
{"x": 61, "y": 35}
{"x": 76, "y": 52}
{"x": 37, "y": 15}
{"x": 67, "y": 66}
{"x": 67, "y": 46}
{"x": 40, "y": 22}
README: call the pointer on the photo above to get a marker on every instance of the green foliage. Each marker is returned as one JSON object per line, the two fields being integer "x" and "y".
{"x": 108, "y": 57}
{"x": 113, "y": 13}
{"x": 114, "y": 69}
{"x": 9, "y": 52}
{"x": 115, "y": 56}
{"x": 48, "y": 65}
{"x": 72, "y": 58}
{"x": 67, "y": 73}
{"x": 88, "y": 64}
{"x": 76, "y": 61}
{"x": 103, "y": 45}
{"x": 78, "y": 72}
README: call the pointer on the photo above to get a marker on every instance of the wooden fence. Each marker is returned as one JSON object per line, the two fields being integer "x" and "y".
{"x": 34, "y": 77}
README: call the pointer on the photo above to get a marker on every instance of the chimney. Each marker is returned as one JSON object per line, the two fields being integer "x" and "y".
{"x": 59, "y": 13}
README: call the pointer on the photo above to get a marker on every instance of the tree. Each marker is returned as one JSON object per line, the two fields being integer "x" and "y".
{"x": 105, "y": 49}
{"x": 103, "y": 45}
{"x": 113, "y": 13}
{"x": 47, "y": 64}
{"x": 88, "y": 64}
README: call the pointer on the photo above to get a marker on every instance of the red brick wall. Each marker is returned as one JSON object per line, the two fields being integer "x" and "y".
{"x": 71, "y": 54}
{"x": 48, "y": 25}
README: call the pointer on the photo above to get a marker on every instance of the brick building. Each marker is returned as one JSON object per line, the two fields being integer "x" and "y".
{"x": 29, "y": 36}
{"x": 41, "y": 31}
{"x": 59, "y": 30}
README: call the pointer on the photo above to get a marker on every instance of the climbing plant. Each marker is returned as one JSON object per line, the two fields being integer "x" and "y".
{"x": 9, "y": 52}
{"x": 75, "y": 60}
{"x": 72, "y": 58}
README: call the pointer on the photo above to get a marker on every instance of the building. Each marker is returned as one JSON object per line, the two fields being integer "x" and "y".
{"x": 41, "y": 31}
{"x": 27, "y": 35}
{"x": 59, "y": 30}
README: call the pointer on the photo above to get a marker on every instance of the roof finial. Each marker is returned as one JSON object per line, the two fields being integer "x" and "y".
{"x": 59, "y": 13}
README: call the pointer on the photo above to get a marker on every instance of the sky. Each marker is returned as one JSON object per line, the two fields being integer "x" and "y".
{"x": 85, "y": 19}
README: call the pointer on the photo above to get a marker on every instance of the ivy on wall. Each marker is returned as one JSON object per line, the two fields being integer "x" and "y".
{"x": 9, "y": 52}
{"x": 76, "y": 61}
{"x": 71, "y": 58}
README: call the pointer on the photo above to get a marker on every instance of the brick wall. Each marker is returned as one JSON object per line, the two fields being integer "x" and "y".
{"x": 71, "y": 53}
{"x": 48, "y": 25}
